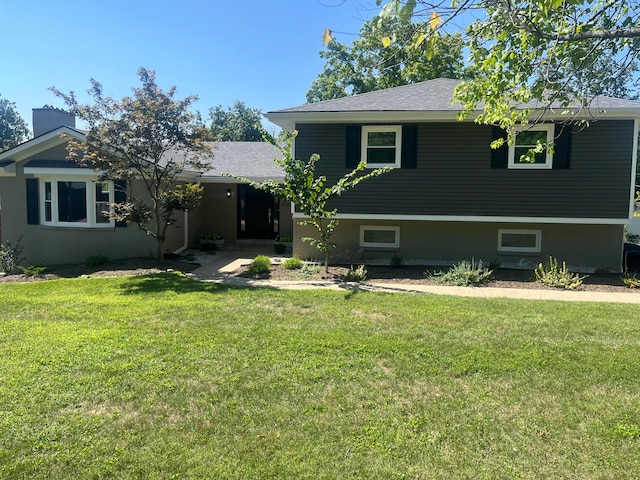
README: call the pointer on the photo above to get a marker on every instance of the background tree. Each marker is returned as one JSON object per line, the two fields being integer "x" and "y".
{"x": 238, "y": 123}
{"x": 13, "y": 129}
{"x": 149, "y": 137}
{"x": 554, "y": 52}
{"x": 310, "y": 194}
{"x": 367, "y": 65}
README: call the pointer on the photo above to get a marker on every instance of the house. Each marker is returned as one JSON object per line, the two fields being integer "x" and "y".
{"x": 54, "y": 207}
{"x": 451, "y": 197}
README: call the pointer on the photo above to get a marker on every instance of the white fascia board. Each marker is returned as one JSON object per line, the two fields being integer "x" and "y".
{"x": 288, "y": 121}
{"x": 62, "y": 172}
{"x": 477, "y": 219}
{"x": 40, "y": 144}
{"x": 634, "y": 165}
{"x": 231, "y": 180}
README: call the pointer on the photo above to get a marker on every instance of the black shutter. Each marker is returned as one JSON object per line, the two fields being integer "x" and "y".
{"x": 409, "y": 146}
{"x": 120, "y": 196}
{"x": 562, "y": 147}
{"x": 33, "y": 208}
{"x": 499, "y": 156}
{"x": 354, "y": 133}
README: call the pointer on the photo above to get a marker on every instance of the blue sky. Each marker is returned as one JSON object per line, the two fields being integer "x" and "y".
{"x": 264, "y": 52}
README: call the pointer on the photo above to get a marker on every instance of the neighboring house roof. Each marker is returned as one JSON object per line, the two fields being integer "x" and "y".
{"x": 253, "y": 160}
{"x": 424, "y": 101}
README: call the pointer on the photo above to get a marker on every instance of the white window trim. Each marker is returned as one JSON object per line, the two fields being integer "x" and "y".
{"x": 90, "y": 200}
{"x": 397, "y": 129}
{"x": 363, "y": 228}
{"x": 535, "y": 249}
{"x": 548, "y": 164}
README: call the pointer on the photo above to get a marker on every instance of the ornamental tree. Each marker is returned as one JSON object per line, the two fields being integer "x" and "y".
{"x": 310, "y": 194}
{"x": 149, "y": 137}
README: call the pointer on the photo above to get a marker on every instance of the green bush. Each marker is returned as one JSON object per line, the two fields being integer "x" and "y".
{"x": 554, "y": 276}
{"x": 261, "y": 264}
{"x": 463, "y": 274}
{"x": 293, "y": 263}
{"x": 631, "y": 281}
{"x": 32, "y": 270}
{"x": 96, "y": 260}
{"x": 309, "y": 269}
{"x": 357, "y": 275}
{"x": 10, "y": 256}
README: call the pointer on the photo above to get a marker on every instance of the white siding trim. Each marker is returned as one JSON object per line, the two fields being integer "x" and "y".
{"x": 634, "y": 164}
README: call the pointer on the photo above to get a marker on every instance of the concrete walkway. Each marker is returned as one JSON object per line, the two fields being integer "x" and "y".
{"x": 218, "y": 269}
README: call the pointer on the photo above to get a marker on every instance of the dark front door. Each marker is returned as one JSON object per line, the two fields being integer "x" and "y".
{"x": 257, "y": 212}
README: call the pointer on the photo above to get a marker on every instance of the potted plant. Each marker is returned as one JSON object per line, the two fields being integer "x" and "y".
{"x": 207, "y": 241}
{"x": 218, "y": 240}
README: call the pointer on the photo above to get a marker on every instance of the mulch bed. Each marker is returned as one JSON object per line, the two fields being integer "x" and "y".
{"x": 133, "y": 266}
{"x": 501, "y": 278}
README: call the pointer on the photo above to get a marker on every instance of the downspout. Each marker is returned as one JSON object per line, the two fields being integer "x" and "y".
{"x": 186, "y": 233}
{"x": 185, "y": 220}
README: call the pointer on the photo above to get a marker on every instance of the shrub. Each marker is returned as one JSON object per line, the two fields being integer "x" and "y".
{"x": 280, "y": 248}
{"x": 32, "y": 270}
{"x": 96, "y": 260}
{"x": 10, "y": 256}
{"x": 396, "y": 261}
{"x": 631, "y": 281}
{"x": 357, "y": 275}
{"x": 261, "y": 264}
{"x": 310, "y": 269}
{"x": 554, "y": 276}
{"x": 463, "y": 274}
{"x": 293, "y": 263}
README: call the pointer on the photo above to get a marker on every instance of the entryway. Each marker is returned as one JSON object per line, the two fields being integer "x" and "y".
{"x": 258, "y": 213}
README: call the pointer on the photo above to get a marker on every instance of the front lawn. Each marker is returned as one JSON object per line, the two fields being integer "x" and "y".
{"x": 165, "y": 377}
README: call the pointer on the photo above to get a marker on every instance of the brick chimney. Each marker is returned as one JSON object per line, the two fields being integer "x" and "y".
{"x": 49, "y": 118}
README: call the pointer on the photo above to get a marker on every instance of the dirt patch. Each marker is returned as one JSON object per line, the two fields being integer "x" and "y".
{"x": 501, "y": 278}
{"x": 132, "y": 266}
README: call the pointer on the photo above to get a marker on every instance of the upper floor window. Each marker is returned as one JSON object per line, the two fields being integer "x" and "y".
{"x": 76, "y": 203}
{"x": 382, "y": 146}
{"x": 522, "y": 153}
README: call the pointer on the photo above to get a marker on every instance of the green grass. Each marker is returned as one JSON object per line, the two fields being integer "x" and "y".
{"x": 164, "y": 377}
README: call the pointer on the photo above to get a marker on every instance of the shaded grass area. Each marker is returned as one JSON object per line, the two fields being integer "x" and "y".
{"x": 164, "y": 377}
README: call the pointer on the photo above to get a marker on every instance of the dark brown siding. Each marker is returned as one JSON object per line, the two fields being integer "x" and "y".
{"x": 454, "y": 175}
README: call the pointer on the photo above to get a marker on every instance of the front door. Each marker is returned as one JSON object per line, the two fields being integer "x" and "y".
{"x": 257, "y": 213}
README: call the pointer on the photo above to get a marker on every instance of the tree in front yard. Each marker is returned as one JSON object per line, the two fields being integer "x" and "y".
{"x": 13, "y": 129}
{"x": 149, "y": 137}
{"x": 310, "y": 194}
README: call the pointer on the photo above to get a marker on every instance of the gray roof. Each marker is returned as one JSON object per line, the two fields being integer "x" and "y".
{"x": 254, "y": 160}
{"x": 430, "y": 96}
